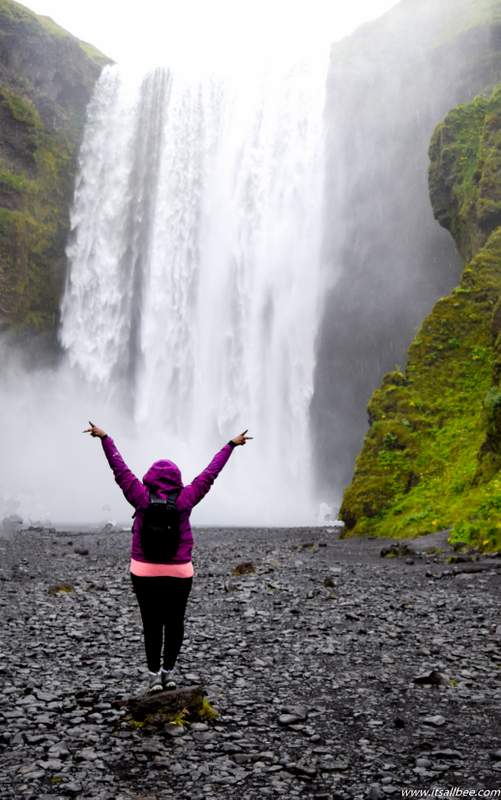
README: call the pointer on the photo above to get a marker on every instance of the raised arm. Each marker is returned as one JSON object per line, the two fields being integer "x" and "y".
{"x": 134, "y": 491}
{"x": 200, "y": 485}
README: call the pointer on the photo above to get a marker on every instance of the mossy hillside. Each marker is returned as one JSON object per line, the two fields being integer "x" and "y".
{"x": 465, "y": 165}
{"x": 46, "y": 80}
{"x": 465, "y": 15}
{"x": 432, "y": 454}
{"x": 418, "y": 470}
{"x": 33, "y": 221}
{"x": 17, "y": 13}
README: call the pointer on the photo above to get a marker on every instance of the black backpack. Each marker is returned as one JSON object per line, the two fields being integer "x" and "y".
{"x": 160, "y": 529}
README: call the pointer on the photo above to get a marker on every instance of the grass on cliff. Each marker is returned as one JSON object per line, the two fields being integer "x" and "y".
{"x": 419, "y": 469}
{"x": 465, "y": 168}
{"x": 464, "y": 15}
{"x": 34, "y": 226}
{"x": 432, "y": 456}
{"x": 16, "y": 12}
{"x": 55, "y": 30}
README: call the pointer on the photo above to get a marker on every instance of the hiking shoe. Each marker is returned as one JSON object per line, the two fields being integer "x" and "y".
{"x": 168, "y": 679}
{"x": 154, "y": 683}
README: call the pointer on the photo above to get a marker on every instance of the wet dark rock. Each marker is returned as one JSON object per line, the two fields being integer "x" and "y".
{"x": 437, "y": 720}
{"x": 341, "y": 674}
{"x": 57, "y": 588}
{"x": 162, "y": 705}
{"x": 375, "y": 792}
{"x": 397, "y": 549}
{"x": 245, "y": 568}
{"x": 72, "y": 788}
{"x": 432, "y": 678}
{"x": 447, "y": 753}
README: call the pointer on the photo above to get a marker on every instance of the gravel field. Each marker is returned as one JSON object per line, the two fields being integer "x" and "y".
{"x": 336, "y": 673}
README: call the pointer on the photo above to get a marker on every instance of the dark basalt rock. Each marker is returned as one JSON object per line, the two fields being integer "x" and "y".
{"x": 162, "y": 706}
{"x": 395, "y": 550}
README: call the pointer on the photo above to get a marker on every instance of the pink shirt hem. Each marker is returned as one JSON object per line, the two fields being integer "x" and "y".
{"x": 146, "y": 569}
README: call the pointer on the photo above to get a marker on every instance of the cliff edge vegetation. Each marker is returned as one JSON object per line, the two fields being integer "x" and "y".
{"x": 432, "y": 456}
{"x": 46, "y": 79}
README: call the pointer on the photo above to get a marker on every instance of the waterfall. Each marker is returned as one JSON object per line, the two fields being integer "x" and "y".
{"x": 195, "y": 283}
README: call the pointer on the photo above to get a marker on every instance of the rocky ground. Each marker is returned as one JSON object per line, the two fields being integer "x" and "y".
{"x": 336, "y": 673}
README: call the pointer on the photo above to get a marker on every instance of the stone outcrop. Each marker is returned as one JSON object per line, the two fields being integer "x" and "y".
{"x": 432, "y": 454}
{"x": 389, "y": 85}
{"x": 46, "y": 79}
{"x": 161, "y": 708}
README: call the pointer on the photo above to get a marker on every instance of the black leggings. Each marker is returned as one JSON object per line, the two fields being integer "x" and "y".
{"x": 162, "y": 602}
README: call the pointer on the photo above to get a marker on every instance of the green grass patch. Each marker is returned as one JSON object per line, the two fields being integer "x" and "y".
{"x": 20, "y": 108}
{"x": 418, "y": 471}
{"x": 32, "y": 235}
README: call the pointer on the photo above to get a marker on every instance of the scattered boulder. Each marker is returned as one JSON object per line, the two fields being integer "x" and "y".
{"x": 111, "y": 527}
{"x": 437, "y": 720}
{"x": 162, "y": 708}
{"x": 291, "y": 715}
{"x": 58, "y": 588}
{"x": 432, "y": 678}
{"x": 245, "y": 568}
{"x": 447, "y": 753}
{"x": 396, "y": 550}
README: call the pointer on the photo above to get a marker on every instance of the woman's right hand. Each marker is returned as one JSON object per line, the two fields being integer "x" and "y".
{"x": 95, "y": 431}
{"x": 241, "y": 438}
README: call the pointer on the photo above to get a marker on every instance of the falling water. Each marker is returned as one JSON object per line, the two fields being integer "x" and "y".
{"x": 194, "y": 290}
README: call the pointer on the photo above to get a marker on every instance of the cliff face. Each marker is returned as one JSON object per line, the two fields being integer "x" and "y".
{"x": 46, "y": 79}
{"x": 432, "y": 456}
{"x": 389, "y": 86}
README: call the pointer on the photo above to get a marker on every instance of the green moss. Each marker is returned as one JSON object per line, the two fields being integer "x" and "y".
{"x": 57, "y": 588}
{"x": 180, "y": 717}
{"x": 464, "y": 15}
{"x": 432, "y": 456}
{"x": 36, "y": 173}
{"x": 418, "y": 470}
{"x": 56, "y": 30}
{"x": 136, "y": 724}
{"x": 13, "y": 182}
{"x": 465, "y": 164}
{"x": 183, "y": 716}
{"x": 482, "y": 528}
{"x": 20, "y": 108}
{"x": 207, "y": 711}
{"x": 32, "y": 236}
{"x": 15, "y": 12}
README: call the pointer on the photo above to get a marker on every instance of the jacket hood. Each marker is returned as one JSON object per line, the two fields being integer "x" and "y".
{"x": 163, "y": 475}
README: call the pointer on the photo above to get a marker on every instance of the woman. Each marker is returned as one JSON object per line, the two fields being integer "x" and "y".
{"x": 162, "y": 589}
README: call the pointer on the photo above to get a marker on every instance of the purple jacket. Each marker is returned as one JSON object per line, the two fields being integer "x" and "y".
{"x": 161, "y": 478}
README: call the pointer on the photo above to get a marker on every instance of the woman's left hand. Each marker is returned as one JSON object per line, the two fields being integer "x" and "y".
{"x": 241, "y": 438}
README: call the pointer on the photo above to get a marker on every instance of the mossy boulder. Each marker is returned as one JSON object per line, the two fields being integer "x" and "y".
{"x": 432, "y": 455}
{"x": 46, "y": 80}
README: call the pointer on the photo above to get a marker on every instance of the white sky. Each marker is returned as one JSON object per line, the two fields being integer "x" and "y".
{"x": 208, "y": 30}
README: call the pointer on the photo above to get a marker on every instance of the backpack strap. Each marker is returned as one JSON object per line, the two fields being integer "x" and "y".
{"x": 156, "y": 500}
{"x": 172, "y": 497}
{"x": 160, "y": 501}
